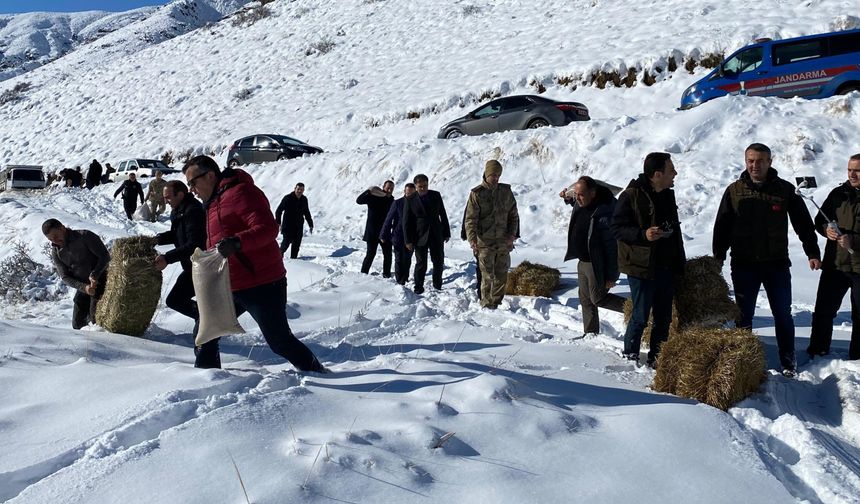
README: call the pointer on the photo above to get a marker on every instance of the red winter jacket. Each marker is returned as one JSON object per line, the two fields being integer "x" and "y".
{"x": 239, "y": 208}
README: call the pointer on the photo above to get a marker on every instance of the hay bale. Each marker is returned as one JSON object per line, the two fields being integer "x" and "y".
{"x": 529, "y": 279}
{"x": 701, "y": 299}
{"x": 702, "y": 296}
{"x": 133, "y": 287}
{"x": 715, "y": 366}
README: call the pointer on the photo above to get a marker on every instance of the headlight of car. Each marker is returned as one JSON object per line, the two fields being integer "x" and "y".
{"x": 690, "y": 90}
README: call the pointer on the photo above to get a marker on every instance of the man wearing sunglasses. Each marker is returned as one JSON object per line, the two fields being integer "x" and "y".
{"x": 240, "y": 225}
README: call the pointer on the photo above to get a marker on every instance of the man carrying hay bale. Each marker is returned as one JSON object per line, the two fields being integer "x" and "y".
{"x": 491, "y": 224}
{"x": 81, "y": 260}
{"x": 187, "y": 232}
{"x": 753, "y": 221}
{"x": 840, "y": 269}
{"x": 241, "y": 226}
{"x": 590, "y": 239}
{"x": 650, "y": 251}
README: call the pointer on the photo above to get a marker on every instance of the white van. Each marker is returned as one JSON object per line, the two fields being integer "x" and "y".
{"x": 25, "y": 177}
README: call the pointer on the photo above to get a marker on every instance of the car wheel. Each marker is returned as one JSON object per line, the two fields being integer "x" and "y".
{"x": 847, "y": 88}
{"x": 538, "y": 123}
{"x": 454, "y": 133}
{"x": 233, "y": 163}
{"x": 282, "y": 157}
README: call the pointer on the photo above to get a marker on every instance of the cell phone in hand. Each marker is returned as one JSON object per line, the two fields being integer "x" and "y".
{"x": 806, "y": 182}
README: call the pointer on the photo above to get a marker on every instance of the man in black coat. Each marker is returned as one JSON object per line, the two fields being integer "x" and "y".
{"x": 378, "y": 202}
{"x": 131, "y": 190}
{"x": 426, "y": 229}
{"x": 392, "y": 232}
{"x": 590, "y": 239}
{"x": 752, "y": 221}
{"x": 294, "y": 210}
{"x": 94, "y": 174}
{"x": 650, "y": 251}
{"x": 187, "y": 232}
{"x": 81, "y": 260}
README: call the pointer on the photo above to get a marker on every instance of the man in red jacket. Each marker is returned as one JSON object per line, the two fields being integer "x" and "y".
{"x": 241, "y": 226}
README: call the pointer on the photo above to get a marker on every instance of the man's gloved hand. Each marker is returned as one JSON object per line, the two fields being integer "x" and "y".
{"x": 228, "y": 246}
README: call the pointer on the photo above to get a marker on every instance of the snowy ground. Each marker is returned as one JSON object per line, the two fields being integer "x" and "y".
{"x": 539, "y": 412}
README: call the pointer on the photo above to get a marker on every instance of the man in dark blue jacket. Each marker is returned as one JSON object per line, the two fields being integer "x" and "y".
{"x": 590, "y": 240}
{"x": 392, "y": 232}
{"x": 294, "y": 209}
{"x": 187, "y": 232}
{"x": 378, "y": 202}
{"x": 426, "y": 230}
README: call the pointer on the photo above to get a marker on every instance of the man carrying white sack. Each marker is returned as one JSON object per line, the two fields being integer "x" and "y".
{"x": 187, "y": 233}
{"x": 242, "y": 228}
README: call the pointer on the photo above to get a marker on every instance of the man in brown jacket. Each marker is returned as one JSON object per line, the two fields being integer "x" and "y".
{"x": 81, "y": 260}
{"x": 491, "y": 225}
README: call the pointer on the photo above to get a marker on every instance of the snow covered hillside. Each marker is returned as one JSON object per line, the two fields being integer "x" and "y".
{"x": 30, "y": 40}
{"x": 539, "y": 412}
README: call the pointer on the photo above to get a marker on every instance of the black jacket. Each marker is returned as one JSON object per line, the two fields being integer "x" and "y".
{"x": 187, "y": 232}
{"x": 294, "y": 212}
{"x": 638, "y": 209}
{"x": 94, "y": 174}
{"x": 377, "y": 209}
{"x": 753, "y": 221}
{"x": 425, "y": 221}
{"x": 129, "y": 191}
{"x": 842, "y": 205}
{"x": 82, "y": 255}
{"x": 602, "y": 247}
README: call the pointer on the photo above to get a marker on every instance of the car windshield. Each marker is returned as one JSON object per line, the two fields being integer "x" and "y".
{"x": 29, "y": 175}
{"x": 152, "y": 164}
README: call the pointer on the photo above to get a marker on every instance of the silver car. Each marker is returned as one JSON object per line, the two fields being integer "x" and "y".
{"x": 515, "y": 113}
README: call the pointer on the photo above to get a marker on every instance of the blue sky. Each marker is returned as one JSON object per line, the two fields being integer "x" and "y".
{"x": 15, "y": 6}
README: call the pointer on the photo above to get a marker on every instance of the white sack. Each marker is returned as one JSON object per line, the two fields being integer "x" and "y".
{"x": 211, "y": 276}
{"x": 142, "y": 213}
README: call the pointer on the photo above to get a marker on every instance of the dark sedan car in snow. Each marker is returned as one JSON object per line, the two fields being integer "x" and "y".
{"x": 515, "y": 113}
{"x": 263, "y": 148}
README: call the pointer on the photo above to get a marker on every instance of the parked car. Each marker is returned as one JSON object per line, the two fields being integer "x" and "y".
{"x": 515, "y": 113}
{"x": 263, "y": 148}
{"x": 25, "y": 177}
{"x": 142, "y": 168}
{"x": 815, "y": 66}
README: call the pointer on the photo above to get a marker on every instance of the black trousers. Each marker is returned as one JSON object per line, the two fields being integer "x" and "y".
{"x": 130, "y": 207}
{"x": 371, "y": 254}
{"x": 181, "y": 299}
{"x": 402, "y": 263}
{"x": 291, "y": 241}
{"x": 437, "y": 256}
{"x": 267, "y": 305}
{"x": 478, "y": 275}
{"x": 84, "y": 305}
{"x": 832, "y": 288}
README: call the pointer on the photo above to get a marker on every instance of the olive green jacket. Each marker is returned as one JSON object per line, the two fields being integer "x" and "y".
{"x": 491, "y": 215}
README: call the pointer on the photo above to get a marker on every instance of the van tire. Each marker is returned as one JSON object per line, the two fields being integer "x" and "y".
{"x": 848, "y": 87}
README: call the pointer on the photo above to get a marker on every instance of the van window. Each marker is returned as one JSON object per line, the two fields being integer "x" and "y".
{"x": 744, "y": 61}
{"x": 844, "y": 44}
{"x": 791, "y": 52}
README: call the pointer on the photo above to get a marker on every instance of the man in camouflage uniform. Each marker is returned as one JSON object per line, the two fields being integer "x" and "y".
{"x": 155, "y": 196}
{"x": 491, "y": 224}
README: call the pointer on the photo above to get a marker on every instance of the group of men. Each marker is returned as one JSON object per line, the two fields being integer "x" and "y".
{"x": 639, "y": 235}
{"x": 131, "y": 191}
{"x": 96, "y": 175}
{"x": 417, "y": 224}
{"x": 234, "y": 218}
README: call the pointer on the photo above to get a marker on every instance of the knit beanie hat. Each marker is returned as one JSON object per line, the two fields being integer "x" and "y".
{"x": 492, "y": 167}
